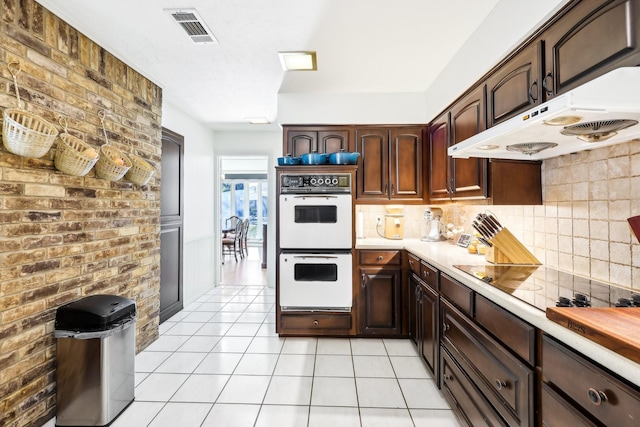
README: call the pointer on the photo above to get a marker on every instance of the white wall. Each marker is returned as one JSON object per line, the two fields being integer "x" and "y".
{"x": 508, "y": 24}
{"x": 253, "y": 143}
{"x": 200, "y": 241}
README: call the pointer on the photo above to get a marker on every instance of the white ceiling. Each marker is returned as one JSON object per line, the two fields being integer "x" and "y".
{"x": 363, "y": 46}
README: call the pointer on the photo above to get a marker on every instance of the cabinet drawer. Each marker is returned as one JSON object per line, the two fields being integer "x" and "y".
{"x": 429, "y": 275}
{"x": 506, "y": 382}
{"x": 464, "y": 398}
{"x": 557, "y": 412}
{"x": 380, "y": 258}
{"x": 316, "y": 321}
{"x": 414, "y": 264}
{"x": 608, "y": 399}
{"x": 456, "y": 293}
{"x": 516, "y": 334}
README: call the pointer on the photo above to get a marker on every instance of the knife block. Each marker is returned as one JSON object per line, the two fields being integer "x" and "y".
{"x": 507, "y": 249}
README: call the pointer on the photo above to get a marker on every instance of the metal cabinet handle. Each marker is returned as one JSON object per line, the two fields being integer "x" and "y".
{"x": 426, "y": 273}
{"x": 532, "y": 94}
{"x": 380, "y": 257}
{"x": 445, "y": 326}
{"x": 501, "y": 384}
{"x": 315, "y": 323}
{"x": 364, "y": 280}
{"x": 597, "y": 397}
{"x": 393, "y": 190}
{"x": 548, "y": 88}
{"x": 447, "y": 377}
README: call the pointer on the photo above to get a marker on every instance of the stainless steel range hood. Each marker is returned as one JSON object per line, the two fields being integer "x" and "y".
{"x": 604, "y": 111}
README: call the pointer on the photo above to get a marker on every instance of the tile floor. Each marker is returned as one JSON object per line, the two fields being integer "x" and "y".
{"x": 219, "y": 362}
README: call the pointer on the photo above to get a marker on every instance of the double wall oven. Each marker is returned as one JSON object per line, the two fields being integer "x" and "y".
{"x": 315, "y": 231}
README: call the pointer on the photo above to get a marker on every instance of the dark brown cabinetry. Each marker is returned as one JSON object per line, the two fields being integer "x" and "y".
{"x": 506, "y": 384}
{"x": 587, "y": 393}
{"x": 590, "y": 39}
{"x": 423, "y": 308}
{"x": 391, "y": 164}
{"x": 380, "y": 294}
{"x": 499, "y": 182}
{"x": 300, "y": 140}
{"x": 516, "y": 86}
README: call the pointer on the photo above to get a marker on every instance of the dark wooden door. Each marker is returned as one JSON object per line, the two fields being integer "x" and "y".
{"x": 332, "y": 141}
{"x": 594, "y": 37}
{"x": 438, "y": 160}
{"x": 405, "y": 163}
{"x": 301, "y": 142}
{"x": 380, "y": 301}
{"x": 171, "y": 224}
{"x": 373, "y": 175}
{"x": 429, "y": 318}
{"x": 515, "y": 87}
{"x": 468, "y": 119}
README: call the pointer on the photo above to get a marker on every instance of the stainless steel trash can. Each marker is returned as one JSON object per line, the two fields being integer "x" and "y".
{"x": 95, "y": 360}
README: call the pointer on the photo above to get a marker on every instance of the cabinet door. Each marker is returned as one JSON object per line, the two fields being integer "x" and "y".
{"x": 373, "y": 175}
{"x": 594, "y": 37}
{"x": 405, "y": 163}
{"x": 515, "y": 86}
{"x": 332, "y": 141}
{"x": 301, "y": 142}
{"x": 380, "y": 301}
{"x": 468, "y": 119}
{"x": 415, "y": 299}
{"x": 429, "y": 318}
{"x": 438, "y": 159}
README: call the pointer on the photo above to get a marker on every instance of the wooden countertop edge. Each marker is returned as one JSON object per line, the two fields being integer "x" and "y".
{"x": 613, "y": 328}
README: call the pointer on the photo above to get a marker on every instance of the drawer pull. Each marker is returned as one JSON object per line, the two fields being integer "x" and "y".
{"x": 315, "y": 323}
{"x": 597, "y": 397}
{"x": 445, "y": 327}
{"x": 426, "y": 273}
{"x": 447, "y": 377}
{"x": 380, "y": 257}
{"x": 501, "y": 384}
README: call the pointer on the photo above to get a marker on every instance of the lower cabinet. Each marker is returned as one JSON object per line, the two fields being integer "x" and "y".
{"x": 577, "y": 392}
{"x": 380, "y": 302}
{"x": 423, "y": 307}
{"x": 488, "y": 365}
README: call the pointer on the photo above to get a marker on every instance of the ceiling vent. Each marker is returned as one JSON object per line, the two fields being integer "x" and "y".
{"x": 193, "y": 25}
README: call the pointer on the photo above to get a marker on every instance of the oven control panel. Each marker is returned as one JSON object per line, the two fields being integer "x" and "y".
{"x": 315, "y": 183}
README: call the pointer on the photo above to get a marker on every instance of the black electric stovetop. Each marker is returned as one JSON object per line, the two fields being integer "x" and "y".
{"x": 544, "y": 287}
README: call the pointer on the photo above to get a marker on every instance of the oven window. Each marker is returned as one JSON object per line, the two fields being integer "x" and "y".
{"x": 316, "y": 214}
{"x": 315, "y": 272}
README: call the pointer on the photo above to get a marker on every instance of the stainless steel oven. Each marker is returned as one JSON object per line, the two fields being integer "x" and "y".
{"x": 316, "y": 211}
{"x": 316, "y": 281}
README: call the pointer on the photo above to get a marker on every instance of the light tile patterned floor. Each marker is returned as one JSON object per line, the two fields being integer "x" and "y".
{"x": 219, "y": 362}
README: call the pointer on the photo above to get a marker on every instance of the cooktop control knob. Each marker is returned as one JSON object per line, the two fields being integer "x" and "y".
{"x": 564, "y": 302}
{"x": 581, "y": 300}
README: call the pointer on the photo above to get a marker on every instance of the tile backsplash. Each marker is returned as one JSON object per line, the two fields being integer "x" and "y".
{"x": 581, "y": 227}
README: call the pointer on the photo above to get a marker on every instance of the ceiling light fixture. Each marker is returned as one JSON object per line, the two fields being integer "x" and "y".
{"x": 298, "y": 61}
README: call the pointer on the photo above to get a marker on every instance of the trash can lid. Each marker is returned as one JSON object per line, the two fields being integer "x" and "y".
{"x": 95, "y": 313}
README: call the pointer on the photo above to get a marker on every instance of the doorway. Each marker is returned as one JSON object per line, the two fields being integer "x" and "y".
{"x": 244, "y": 195}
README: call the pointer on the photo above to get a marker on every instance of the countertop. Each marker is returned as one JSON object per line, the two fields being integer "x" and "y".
{"x": 443, "y": 255}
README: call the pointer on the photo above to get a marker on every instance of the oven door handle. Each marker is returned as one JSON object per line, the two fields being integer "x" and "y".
{"x": 315, "y": 257}
{"x": 319, "y": 196}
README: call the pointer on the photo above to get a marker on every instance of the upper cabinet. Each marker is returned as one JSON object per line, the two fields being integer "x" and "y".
{"x": 516, "y": 86}
{"x": 391, "y": 164}
{"x": 499, "y": 182}
{"x": 592, "y": 38}
{"x": 453, "y": 179}
{"x": 300, "y": 140}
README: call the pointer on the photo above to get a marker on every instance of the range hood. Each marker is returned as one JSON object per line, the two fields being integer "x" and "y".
{"x": 604, "y": 111}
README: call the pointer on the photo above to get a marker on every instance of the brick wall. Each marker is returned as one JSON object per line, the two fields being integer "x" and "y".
{"x": 63, "y": 237}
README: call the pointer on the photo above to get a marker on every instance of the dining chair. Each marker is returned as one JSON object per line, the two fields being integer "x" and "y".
{"x": 232, "y": 242}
